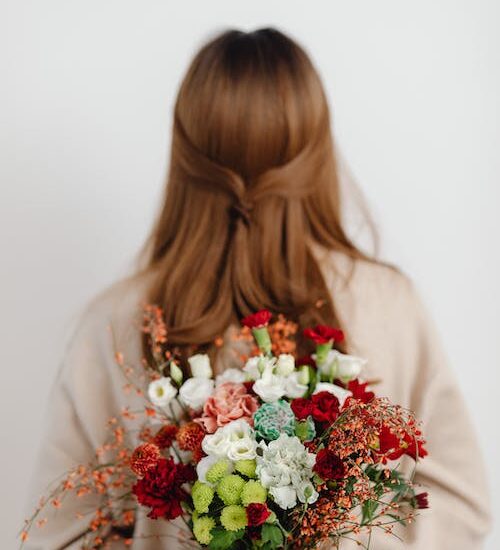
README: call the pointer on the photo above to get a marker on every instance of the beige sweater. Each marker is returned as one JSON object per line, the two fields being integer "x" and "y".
{"x": 386, "y": 322}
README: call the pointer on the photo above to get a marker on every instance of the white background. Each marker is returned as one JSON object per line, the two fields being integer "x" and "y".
{"x": 86, "y": 94}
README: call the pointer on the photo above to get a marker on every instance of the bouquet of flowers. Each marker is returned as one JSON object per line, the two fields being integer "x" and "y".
{"x": 285, "y": 452}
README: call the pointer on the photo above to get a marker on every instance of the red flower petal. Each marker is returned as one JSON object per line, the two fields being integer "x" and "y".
{"x": 257, "y": 320}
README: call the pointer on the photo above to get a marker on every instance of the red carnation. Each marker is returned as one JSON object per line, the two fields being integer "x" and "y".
{"x": 322, "y": 334}
{"x": 161, "y": 488}
{"x": 358, "y": 391}
{"x": 249, "y": 387}
{"x": 165, "y": 436}
{"x": 415, "y": 446}
{"x": 393, "y": 447}
{"x": 328, "y": 465}
{"x": 257, "y": 320}
{"x": 190, "y": 436}
{"x": 422, "y": 500}
{"x": 144, "y": 458}
{"x": 257, "y": 514}
{"x": 302, "y": 408}
{"x": 325, "y": 407}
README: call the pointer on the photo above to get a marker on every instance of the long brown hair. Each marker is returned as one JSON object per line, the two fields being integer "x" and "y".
{"x": 252, "y": 183}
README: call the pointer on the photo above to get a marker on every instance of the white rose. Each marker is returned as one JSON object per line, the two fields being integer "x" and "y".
{"x": 285, "y": 365}
{"x": 285, "y": 497}
{"x": 200, "y": 366}
{"x": 293, "y": 387}
{"x": 230, "y": 375}
{"x": 161, "y": 392}
{"x": 195, "y": 391}
{"x": 270, "y": 387}
{"x": 340, "y": 393}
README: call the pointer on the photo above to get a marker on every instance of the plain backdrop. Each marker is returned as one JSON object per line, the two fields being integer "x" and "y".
{"x": 86, "y": 95}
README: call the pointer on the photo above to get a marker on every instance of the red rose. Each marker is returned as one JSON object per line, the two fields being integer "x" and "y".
{"x": 144, "y": 458}
{"x": 257, "y": 320}
{"x": 322, "y": 334}
{"x": 161, "y": 488}
{"x": 325, "y": 407}
{"x": 329, "y": 466}
{"x": 257, "y": 514}
{"x": 302, "y": 408}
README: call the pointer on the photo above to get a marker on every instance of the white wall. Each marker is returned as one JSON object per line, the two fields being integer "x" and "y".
{"x": 85, "y": 100}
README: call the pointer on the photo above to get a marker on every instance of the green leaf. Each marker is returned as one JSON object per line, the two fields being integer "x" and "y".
{"x": 397, "y": 518}
{"x": 349, "y": 487}
{"x": 222, "y": 539}
{"x": 312, "y": 382}
{"x": 368, "y": 509}
{"x": 272, "y": 534}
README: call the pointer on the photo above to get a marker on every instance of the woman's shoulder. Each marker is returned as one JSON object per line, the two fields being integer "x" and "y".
{"x": 116, "y": 308}
{"x": 375, "y": 301}
{"x": 365, "y": 279}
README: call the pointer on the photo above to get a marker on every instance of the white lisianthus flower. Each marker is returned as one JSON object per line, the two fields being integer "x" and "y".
{"x": 349, "y": 367}
{"x": 306, "y": 492}
{"x": 230, "y": 375}
{"x": 293, "y": 386}
{"x": 242, "y": 449}
{"x": 285, "y": 364}
{"x": 200, "y": 365}
{"x": 270, "y": 387}
{"x": 216, "y": 444}
{"x": 285, "y": 497}
{"x": 195, "y": 391}
{"x": 161, "y": 391}
{"x": 340, "y": 393}
{"x": 252, "y": 368}
{"x": 340, "y": 365}
{"x": 204, "y": 465}
{"x": 235, "y": 441}
{"x": 285, "y": 469}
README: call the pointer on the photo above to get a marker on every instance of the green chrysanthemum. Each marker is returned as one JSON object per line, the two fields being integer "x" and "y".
{"x": 202, "y": 495}
{"x": 201, "y": 529}
{"x": 305, "y": 430}
{"x": 229, "y": 489}
{"x": 253, "y": 491}
{"x": 246, "y": 467}
{"x": 217, "y": 471}
{"x": 272, "y": 419}
{"x": 233, "y": 518}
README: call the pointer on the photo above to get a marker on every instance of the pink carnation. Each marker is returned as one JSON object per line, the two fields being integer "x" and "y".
{"x": 229, "y": 402}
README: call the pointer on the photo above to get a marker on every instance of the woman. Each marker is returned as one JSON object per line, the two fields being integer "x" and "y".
{"x": 252, "y": 219}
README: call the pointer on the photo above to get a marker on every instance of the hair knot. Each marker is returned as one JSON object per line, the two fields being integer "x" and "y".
{"x": 241, "y": 210}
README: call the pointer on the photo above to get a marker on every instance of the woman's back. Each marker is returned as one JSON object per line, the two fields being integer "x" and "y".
{"x": 384, "y": 316}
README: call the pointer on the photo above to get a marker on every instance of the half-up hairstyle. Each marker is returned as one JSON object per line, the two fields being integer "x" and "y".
{"x": 252, "y": 182}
